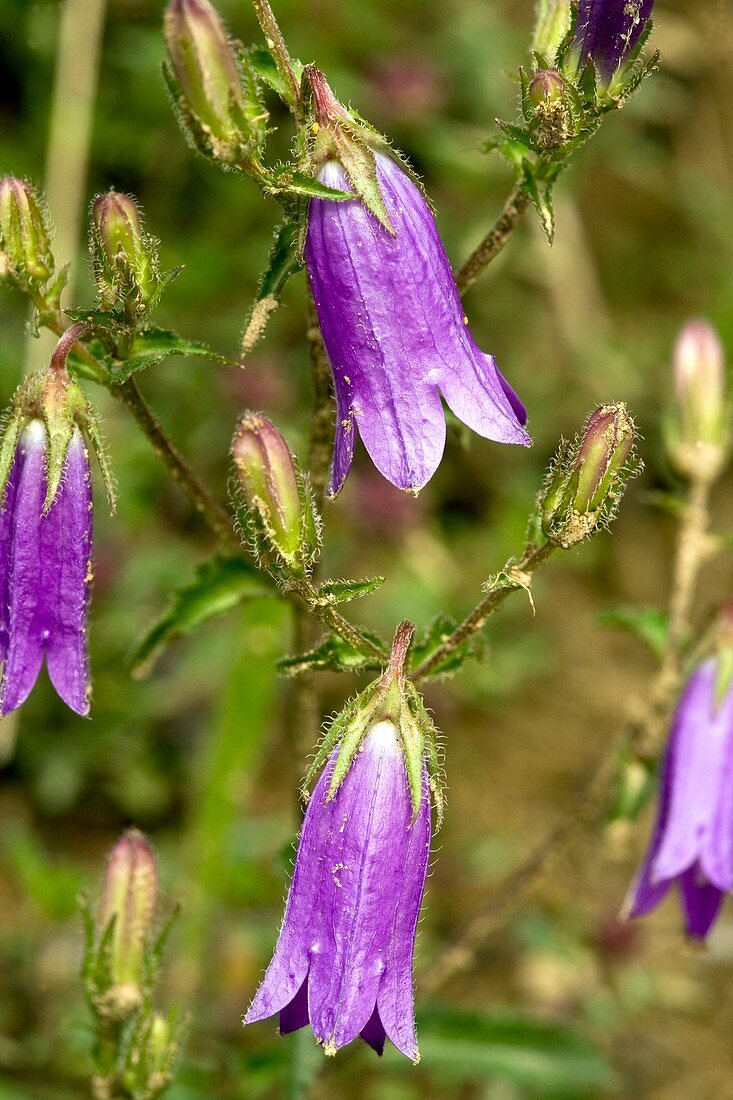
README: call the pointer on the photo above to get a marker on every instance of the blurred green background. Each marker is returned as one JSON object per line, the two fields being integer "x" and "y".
{"x": 561, "y": 1001}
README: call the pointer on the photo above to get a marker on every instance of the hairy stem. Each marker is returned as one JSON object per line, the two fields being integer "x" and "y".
{"x": 492, "y": 244}
{"x": 321, "y": 428}
{"x": 216, "y": 517}
{"x": 276, "y": 43}
{"x": 515, "y": 575}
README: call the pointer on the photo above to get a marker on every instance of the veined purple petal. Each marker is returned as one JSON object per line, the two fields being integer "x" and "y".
{"x": 25, "y": 648}
{"x": 48, "y": 575}
{"x": 608, "y": 30}
{"x": 352, "y": 908}
{"x": 6, "y": 535}
{"x": 396, "y": 334}
{"x": 66, "y": 534}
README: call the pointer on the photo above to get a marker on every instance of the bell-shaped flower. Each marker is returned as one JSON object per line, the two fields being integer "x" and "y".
{"x": 692, "y": 843}
{"x": 343, "y": 960}
{"x": 45, "y": 572}
{"x": 396, "y": 333}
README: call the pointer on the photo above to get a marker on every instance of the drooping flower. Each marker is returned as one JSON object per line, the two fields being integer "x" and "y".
{"x": 343, "y": 960}
{"x": 608, "y": 30}
{"x": 45, "y": 570}
{"x": 692, "y": 842}
{"x": 391, "y": 316}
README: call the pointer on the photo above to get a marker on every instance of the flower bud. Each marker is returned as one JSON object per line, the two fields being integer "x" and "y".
{"x": 124, "y": 256}
{"x": 551, "y": 26}
{"x": 128, "y": 907}
{"x": 552, "y": 123}
{"x": 279, "y": 513}
{"x": 588, "y": 478}
{"x": 698, "y": 432}
{"x": 221, "y": 116}
{"x": 25, "y": 236}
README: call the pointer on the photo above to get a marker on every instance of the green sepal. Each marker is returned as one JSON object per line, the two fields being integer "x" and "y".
{"x": 335, "y": 733}
{"x": 286, "y": 180}
{"x": 218, "y": 585}
{"x": 333, "y": 653}
{"x": 338, "y": 591}
{"x": 540, "y": 194}
{"x": 420, "y": 743}
{"x": 351, "y": 734}
{"x": 284, "y": 261}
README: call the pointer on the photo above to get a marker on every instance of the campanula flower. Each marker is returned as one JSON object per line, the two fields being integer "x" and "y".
{"x": 396, "y": 333}
{"x": 692, "y": 843}
{"x": 343, "y": 960}
{"x": 608, "y": 30}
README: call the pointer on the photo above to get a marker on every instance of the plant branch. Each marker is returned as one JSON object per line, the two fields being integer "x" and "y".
{"x": 492, "y": 244}
{"x": 644, "y": 733}
{"x": 517, "y": 573}
{"x": 321, "y": 426}
{"x": 213, "y": 514}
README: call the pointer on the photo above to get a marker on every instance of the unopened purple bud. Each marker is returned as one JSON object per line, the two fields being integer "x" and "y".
{"x": 25, "y": 236}
{"x": 691, "y": 845}
{"x": 124, "y": 256}
{"x": 698, "y": 435}
{"x": 589, "y": 478}
{"x": 128, "y": 904}
{"x": 343, "y": 960}
{"x": 219, "y": 112}
{"x": 276, "y": 503}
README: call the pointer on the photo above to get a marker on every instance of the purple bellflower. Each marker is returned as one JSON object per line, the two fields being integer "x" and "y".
{"x": 343, "y": 960}
{"x": 607, "y": 32}
{"x": 692, "y": 842}
{"x": 45, "y": 572}
{"x": 392, "y": 321}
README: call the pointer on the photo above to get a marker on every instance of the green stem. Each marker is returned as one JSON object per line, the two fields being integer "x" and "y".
{"x": 492, "y": 244}
{"x": 517, "y": 574}
{"x": 276, "y": 44}
{"x": 216, "y": 517}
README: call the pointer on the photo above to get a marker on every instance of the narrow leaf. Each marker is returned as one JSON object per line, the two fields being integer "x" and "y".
{"x": 342, "y": 591}
{"x": 218, "y": 586}
{"x": 333, "y": 653}
{"x": 152, "y": 345}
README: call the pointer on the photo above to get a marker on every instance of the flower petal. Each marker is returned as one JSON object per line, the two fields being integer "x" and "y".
{"x": 701, "y": 737}
{"x": 374, "y": 1034}
{"x": 701, "y": 902}
{"x": 66, "y": 547}
{"x": 25, "y": 648}
{"x": 7, "y": 523}
{"x": 295, "y": 1014}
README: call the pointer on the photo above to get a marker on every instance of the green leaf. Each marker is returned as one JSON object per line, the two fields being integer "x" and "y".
{"x": 334, "y": 592}
{"x": 650, "y": 624}
{"x": 152, "y": 345}
{"x": 553, "y": 1060}
{"x": 264, "y": 64}
{"x": 541, "y": 197}
{"x": 218, "y": 586}
{"x": 332, "y": 653}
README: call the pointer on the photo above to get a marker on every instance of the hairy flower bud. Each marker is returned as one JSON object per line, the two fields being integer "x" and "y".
{"x": 551, "y": 26}
{"x": 552, "y": 123}
{"x": 607, "y": 32}
{"x": 697, "y": 431}
{"x": 279, "y": 512}
{"x": 25, "y": 236}
{"x": 588, "y": 478}
{"x": 128, "y": 907}
{"x": 220, "y": 113}
{"x": 124, "y": 256}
